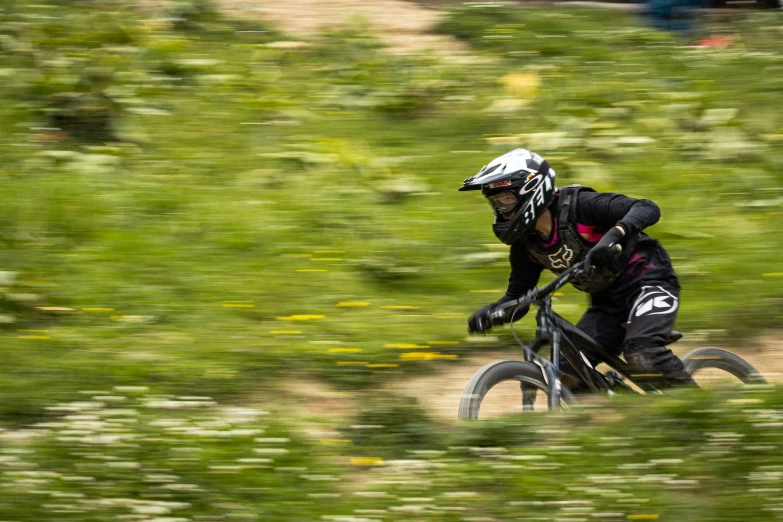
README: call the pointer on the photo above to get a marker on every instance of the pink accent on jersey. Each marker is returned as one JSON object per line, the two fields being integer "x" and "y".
{"x": 553, "y": 239}
{"x": 635, "y": 258}
{"x": 637, "y": 265}
{"x": 590, "y": 233}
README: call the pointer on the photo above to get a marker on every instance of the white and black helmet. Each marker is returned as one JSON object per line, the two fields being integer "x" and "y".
{"x": 519, "y": 186}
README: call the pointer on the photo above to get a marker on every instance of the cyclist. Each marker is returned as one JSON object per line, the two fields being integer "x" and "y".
{"x": 634, "y": 295}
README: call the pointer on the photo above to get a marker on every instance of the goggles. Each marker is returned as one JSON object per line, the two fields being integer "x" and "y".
{"x": 503, "y": 202}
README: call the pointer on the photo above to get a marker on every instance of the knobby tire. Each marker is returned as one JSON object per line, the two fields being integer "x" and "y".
{"x": 703, "y": 358}
{"x": 500, "y": 371}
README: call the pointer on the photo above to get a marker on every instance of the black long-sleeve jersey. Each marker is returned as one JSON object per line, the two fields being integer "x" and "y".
{"x": 597, "y": 212}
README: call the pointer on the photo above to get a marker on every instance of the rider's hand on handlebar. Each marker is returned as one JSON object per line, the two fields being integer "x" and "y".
{"x": 481, "y": 320}
{"x": 489, "y": 316}
{"x": 606, "y": 253}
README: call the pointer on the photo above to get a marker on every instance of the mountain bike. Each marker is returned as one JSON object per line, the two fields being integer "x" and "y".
{"x": 538, "y": 373}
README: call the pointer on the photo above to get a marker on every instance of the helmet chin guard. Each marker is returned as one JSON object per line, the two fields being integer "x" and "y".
{"x": 535, "y": 197}
{"x": 524, "y": 175}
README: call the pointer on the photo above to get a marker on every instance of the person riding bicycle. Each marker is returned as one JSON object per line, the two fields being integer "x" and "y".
{"x": 634, "y": 293}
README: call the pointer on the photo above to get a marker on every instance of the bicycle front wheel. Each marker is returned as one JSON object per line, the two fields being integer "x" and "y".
{"x": 491, "y": 393}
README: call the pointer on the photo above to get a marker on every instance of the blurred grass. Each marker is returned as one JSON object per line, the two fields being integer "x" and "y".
{"x": 202, "y": 204}
{"x": 131, "y": 453}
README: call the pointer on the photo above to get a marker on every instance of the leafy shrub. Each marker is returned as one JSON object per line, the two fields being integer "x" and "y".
{"x": 392, "y": 427}
{"x": 188, "y": 15}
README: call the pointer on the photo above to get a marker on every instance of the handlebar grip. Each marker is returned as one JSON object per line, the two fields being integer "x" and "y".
{"x": 501, "y": 310}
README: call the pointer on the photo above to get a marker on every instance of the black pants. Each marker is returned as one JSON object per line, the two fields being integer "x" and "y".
{"x": 636, "y": 321}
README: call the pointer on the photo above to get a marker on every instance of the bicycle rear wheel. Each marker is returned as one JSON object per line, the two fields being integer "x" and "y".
{"x": 715, "y": 366}
{"x": 489, "y": 379}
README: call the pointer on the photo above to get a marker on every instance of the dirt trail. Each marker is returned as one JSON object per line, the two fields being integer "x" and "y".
{"x": 441, "y": 391}
{"x": 322, "y": 408}
{"x": 403, "y": 26}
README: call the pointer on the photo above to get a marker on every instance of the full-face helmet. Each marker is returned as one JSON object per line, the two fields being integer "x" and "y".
{"x": 519, "y": 186}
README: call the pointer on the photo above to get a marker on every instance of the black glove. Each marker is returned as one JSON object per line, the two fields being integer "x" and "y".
{"x": 483, "y": 321}
{"x": 606, "y": 253}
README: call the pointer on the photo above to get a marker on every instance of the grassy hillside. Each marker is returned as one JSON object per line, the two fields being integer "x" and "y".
{"x": 210, "y": 203}
{"x": 202, "y": 204}
{"x": 201, "y": 215}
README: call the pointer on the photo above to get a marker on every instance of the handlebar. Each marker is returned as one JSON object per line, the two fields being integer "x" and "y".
{"x": 537, "y": 294}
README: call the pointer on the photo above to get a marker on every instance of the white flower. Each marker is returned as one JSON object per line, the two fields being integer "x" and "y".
{"x": 145, "y": 509}
{"x": 21, "y": 435}
{"x": 77, "y": 406}
{"x": 160, "y": 478}
{"x": 110, "y": 398}
{"x": 182, "y": 487}
{"x": 124, "y": 465}
{"x": 131, "y": 389}
{"x": 168, "y": 404}
{"x": 241, "y": 415}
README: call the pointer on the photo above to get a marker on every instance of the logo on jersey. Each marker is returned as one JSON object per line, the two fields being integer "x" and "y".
{"x": 654, "y": 300}
{"x": 562, "y": 258}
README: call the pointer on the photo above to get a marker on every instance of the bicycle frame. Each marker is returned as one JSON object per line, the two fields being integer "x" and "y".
{"x": 568, "y": 341}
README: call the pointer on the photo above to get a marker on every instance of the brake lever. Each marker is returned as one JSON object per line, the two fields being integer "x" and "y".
{"x": 496, "y": 314}
{"x": 500, "y": 311}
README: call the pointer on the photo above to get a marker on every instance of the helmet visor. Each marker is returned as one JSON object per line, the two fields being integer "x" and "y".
{"x": 504, "y": 202}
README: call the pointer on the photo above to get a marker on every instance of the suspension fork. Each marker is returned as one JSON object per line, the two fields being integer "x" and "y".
{"x": 554, "y": 372}
{"x": 545, "y": 332}
{"x": 548, "y": 330}
{"x": 552, "y": 376}
{"x": 529, "y": 392}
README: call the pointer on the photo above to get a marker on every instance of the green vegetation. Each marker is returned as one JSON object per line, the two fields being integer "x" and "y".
{"x": 209, "y": 177}
{"x": 211, "y": 199}
{"x": 206, "y": 208}
{"x": 139, "y": 456}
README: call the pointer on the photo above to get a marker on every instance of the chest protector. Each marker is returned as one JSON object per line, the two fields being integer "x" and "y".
{"x": 570, "y": 247}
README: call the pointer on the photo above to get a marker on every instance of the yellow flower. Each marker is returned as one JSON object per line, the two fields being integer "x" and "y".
{"x": 426, "y": 356}
{"x": 523, "y": 86}
{"x": 367, "y": 461}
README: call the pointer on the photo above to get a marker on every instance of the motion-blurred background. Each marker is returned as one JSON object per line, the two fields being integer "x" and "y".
{"x": 236, "y": 271}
